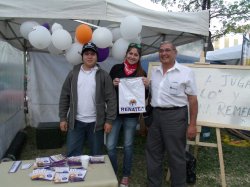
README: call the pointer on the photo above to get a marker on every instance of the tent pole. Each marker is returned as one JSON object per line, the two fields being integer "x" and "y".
{"x": 25, "y": 84}
{"x": 92, "y": 25}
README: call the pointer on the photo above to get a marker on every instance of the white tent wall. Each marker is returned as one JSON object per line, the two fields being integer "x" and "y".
{"x": 11, "y": 94}
{"x": 109, "y": 63}
{"x": 46, "y": 74}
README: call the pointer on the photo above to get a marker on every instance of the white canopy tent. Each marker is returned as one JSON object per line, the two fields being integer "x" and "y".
{"x": 178, "y": 27}
{"x": 230, "y": 55}
{"x": 46, "y": 72}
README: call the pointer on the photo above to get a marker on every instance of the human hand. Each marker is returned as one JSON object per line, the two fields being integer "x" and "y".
{"x": 107, "y": 128}
{"x": 64, "y": 126}
{"x": 116, "y": 81}
{"x": 191, "y": 132}
{"x": 146, "y": 81}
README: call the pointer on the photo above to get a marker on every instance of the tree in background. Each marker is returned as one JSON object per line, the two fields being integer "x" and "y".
{"x": 234, "y": 17}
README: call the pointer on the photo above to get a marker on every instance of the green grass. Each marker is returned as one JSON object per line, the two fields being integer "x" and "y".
{"x": 236, "y": 160}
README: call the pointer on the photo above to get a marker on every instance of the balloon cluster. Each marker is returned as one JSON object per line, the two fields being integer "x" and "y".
{"x": 58, "y": 41}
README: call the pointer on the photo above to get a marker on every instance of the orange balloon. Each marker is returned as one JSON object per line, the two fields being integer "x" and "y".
{"x": 83, "y": 33}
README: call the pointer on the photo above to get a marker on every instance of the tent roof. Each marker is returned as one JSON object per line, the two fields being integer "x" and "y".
{"x": 179, "y": 28}
{"x": 229, "y": 53}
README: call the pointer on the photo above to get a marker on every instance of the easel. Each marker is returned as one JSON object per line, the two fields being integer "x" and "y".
{"x": 218, "y": 138}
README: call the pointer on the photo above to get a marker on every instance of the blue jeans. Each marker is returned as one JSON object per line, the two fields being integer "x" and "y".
{"x": 129, "y": 128}
{"x": 84, "y": 132}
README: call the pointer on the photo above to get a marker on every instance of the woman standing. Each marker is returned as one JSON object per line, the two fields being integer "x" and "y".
{"x": 131, "y": 67}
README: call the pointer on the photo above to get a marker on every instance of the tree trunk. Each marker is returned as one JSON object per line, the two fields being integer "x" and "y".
{"x": 206, "y": 4}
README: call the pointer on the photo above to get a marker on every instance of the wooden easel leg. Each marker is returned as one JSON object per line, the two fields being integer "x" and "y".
{"x": 197, "y": 140}
{"x": 222, "y": 168}
{"x": 168, "y": 175}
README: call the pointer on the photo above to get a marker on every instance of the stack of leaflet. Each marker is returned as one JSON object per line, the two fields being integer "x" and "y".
{"x": 50, "y": 161}
{"x": 77, "y": 174}
{"x": 42, "y": 174}
{"x": 43, "y": 162}
{"x": 74, "y": 161}
{"x": 97, "y": 159}
{"x": 58, "y": 160}
{"x": 73, "y": 175}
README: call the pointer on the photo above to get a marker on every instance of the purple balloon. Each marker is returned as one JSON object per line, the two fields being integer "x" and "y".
{"x": 46, "y": 25}
{"x": 103, "y": 54}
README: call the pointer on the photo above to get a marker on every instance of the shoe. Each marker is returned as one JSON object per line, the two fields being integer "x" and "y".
{"x": 124, "y": 182}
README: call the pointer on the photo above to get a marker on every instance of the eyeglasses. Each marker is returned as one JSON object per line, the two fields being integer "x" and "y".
{"x": 166, "y": 50}
{"x": 138, "y": 46}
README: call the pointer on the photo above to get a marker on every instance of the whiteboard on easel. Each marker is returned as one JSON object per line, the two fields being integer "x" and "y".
{"x": 223, "y": 95}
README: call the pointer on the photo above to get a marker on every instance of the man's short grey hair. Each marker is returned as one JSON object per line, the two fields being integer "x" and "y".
{"x": 168, "y": 42}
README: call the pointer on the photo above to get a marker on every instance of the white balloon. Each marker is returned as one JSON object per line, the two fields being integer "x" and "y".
{"x": 26, "y": 27}
{"x": 61, "y": 39}
{"x": 53, "y": 50}
{"x": 40, "y": 37}
{"x": 56, "y": 26}
{"x": 73, "y": 54}
{"x": 130, "y": 27}
{"x": 116, "y": 34}
{"x": 119, "y": 49}
{"x": 102, "y": 37}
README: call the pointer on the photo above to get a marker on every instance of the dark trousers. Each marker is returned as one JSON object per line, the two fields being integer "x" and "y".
{"x": 167, "y": 133}
{"x": 84, "y": 132}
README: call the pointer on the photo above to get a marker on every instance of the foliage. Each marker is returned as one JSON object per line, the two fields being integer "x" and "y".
{"x": 233, "y": 16}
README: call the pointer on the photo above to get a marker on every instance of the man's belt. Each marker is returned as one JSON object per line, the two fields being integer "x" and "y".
{"x": 170, "y": 108}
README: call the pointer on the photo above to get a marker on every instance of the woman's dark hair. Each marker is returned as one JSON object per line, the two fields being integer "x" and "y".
{"x": 139, "y": 72}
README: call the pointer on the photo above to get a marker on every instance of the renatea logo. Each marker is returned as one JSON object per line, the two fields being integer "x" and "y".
{"x": 132, "y": 102}
{"x": 132, "y": 109}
